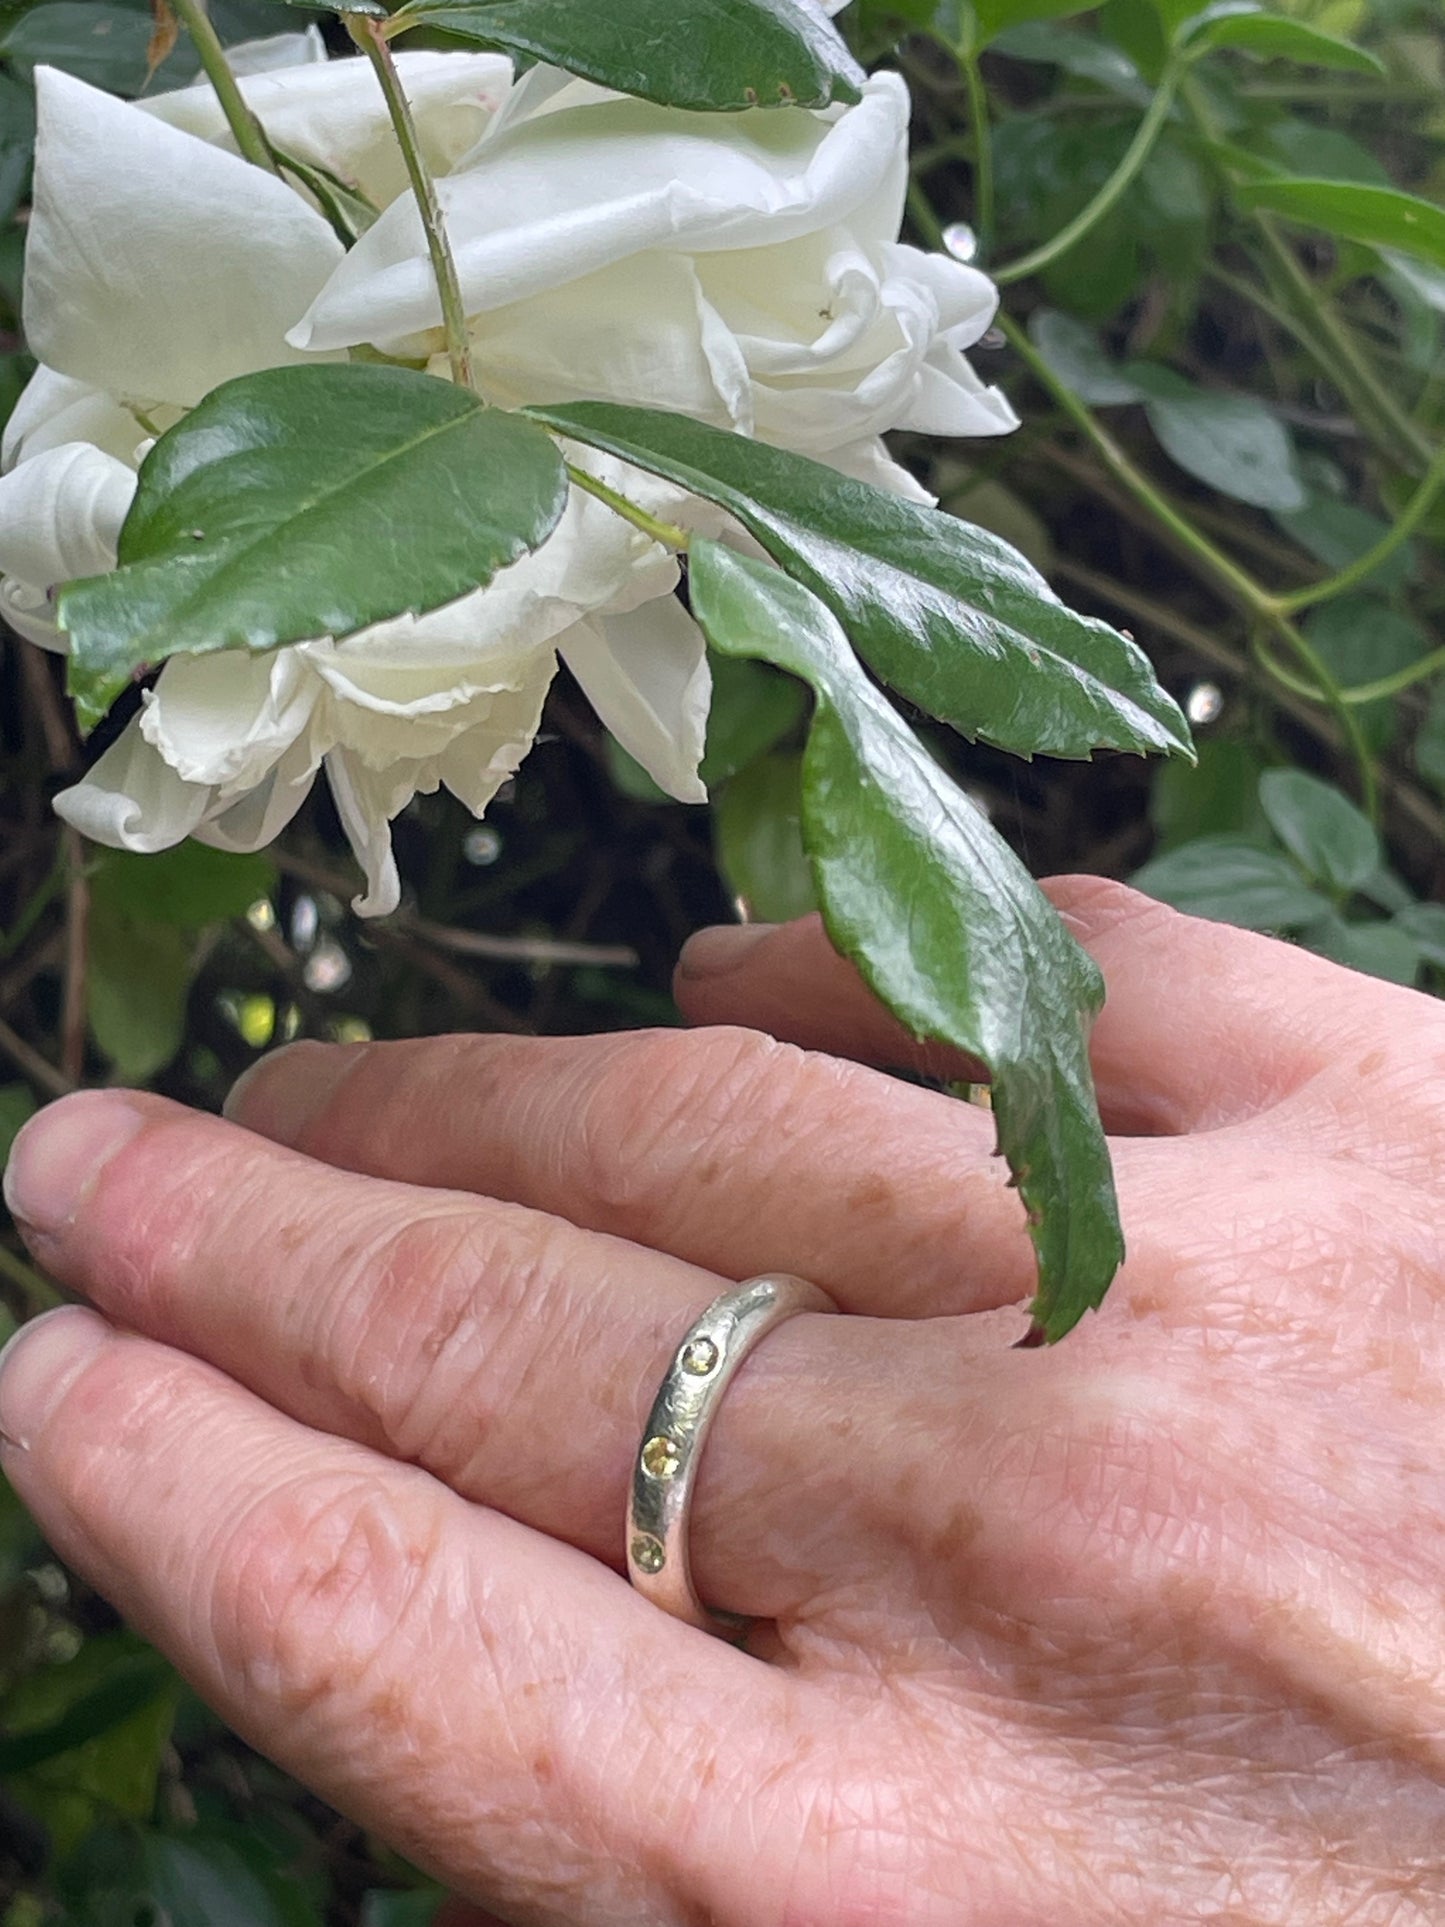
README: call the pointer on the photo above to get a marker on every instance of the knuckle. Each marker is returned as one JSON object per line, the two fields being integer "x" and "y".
{"x": 312, "y": 1584}
{"x": 677, "y": 1098}
{"x": 442, "y": 1333}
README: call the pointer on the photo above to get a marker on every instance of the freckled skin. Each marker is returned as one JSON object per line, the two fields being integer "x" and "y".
{"x": 1143, "y": 1630}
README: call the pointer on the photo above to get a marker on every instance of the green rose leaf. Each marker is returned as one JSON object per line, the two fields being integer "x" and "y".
{"x": 1247, "y": 29}
{"x": 716, "y": 56}
{"x": 305, "y": 502}
{"x": 941, "y": 919}
{"x": 1233, "y": 880}
{"x": 950, "y": 616}
{"x": 1324, "y": 832}
{"x": 1380, "y": 217}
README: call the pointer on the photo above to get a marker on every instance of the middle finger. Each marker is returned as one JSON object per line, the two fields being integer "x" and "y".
{"x": 505, "y": 1351}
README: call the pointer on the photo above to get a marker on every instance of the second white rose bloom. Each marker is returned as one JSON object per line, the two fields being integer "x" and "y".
{"x": 741, "y": 268}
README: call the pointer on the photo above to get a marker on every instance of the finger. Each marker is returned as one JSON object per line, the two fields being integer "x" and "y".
{"x": 722, "y": 1147}
{"x": 502, "y": 1710}
{"x": 1203, "y": 1024}
{"x": 507, "y": 1352}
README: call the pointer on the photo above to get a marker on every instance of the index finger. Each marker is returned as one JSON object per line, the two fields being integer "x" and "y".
{"x": 501, "y": 1708}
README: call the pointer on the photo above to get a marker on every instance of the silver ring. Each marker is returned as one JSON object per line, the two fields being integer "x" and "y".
{"x": 676, "y": 1431}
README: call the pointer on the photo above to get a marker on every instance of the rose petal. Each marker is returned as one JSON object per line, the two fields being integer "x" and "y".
{"x": 475, "y": 766}
{"x": 366, "y": 800}
{"x": 647, "y": 676}
{"x": 54, "y": 408}
{"x": 258, "y": 817}
{"x": 133, "y": 800}
{"x": 157, "y": 266}
{"x": 224, "y": 719}
{"x": 276, "y": 50}
{"x": 585, "y": 338}
{"x": 572, "y": 190}
{"x": 334, "y": 115}
{"x": 60, "y": 514}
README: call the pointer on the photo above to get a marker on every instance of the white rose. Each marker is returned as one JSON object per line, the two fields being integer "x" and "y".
{"x": 742, "y": 268}
{"x": 675, "y": 259}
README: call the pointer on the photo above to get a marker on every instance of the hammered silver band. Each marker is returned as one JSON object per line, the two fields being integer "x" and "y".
{"x": 676, "y": 1431}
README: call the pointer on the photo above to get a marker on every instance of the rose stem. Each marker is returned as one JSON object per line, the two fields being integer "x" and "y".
{"x": 370, "y": 35}
{"x": 249, "y": 133}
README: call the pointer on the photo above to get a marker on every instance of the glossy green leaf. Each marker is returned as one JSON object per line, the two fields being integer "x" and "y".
{"x": 189, "y": 885}
{"x": 1328, "y": 837}
{"x": 758, "y": 838}
{"x": 951, "y": 617}
{"x": 942, "y": 920}
{"x": 1380, "y": 217}
{"x": 305, "y": 502}
{"x": 1231, "y": 879}
{"x": 137, "y": 985}
{"x": 1274, "y": 36}
{"x": 1232, "y": 443}
{"x": 710, "y": 55}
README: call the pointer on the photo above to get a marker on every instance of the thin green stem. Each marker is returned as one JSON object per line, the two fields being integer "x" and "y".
{"x": 1317, "y": 328}
{"x": 249, "y": 134}
{"x": 980, "y": 147}
{"x": 1382, "y": 687}
{"x": 667, "y": 533}
{"x": 1339, "y": 355}
{"x": 1239, "y": 588}
{"x": 370, "y": 36}
{"x": 1106, "y": 199}
{"x": 1364, "y": 566}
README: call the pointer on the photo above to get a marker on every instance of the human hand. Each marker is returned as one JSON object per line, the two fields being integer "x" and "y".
{"x": 1148, "y": 1627}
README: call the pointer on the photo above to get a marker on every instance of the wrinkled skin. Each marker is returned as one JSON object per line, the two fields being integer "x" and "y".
{"x": 1145, "y": 1628}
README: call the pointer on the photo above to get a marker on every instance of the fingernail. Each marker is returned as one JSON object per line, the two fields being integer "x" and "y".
{"x": 40, "y": 1364}
{"x": 61, "y": 1152}
{"x": 278, "y": 1097}
{"x": 720, "y": 948}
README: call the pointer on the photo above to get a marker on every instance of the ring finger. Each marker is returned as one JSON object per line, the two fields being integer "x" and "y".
{"x": 504, "y": 1350}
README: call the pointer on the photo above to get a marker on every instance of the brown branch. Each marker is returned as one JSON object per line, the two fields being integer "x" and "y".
{"x": 465, "y": 943}
{"x": 27, "y": 1059}
{"x": 75, "y": 1011}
